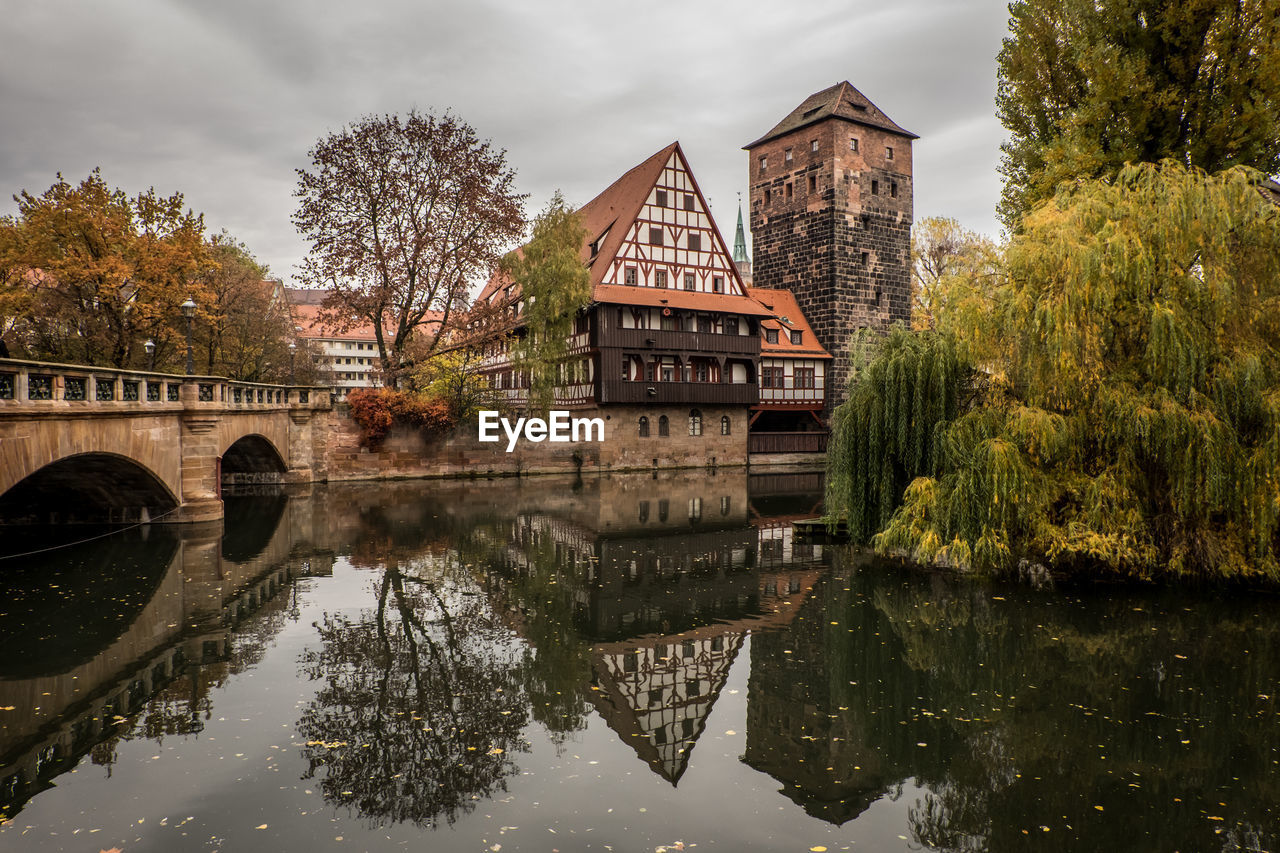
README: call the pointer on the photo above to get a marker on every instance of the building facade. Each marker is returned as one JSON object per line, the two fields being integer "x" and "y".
{"x": 831, "y": 211}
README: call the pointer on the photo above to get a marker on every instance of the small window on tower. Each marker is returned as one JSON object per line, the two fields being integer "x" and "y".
{"x": 688, "y": 201}
{"x": 893, "y": 189}
{"x": 660, "y": 198}
{"x": 866, "y": 258}
{"x": 655, "y": 236}
{"x": 813, "y": 146}
{"x": 875, "y": 190}
{"x": 786, "y": 156}
{"x": 813, "y": 183}
{"x": 629, "y": 276}
{"x": 717, "y": 284}
{"x": 764, "y": 163}
{"x": 853, "y": 143}
{"x": 789, "y": 192}
{"x": 768, "y": 196}
{"x": 888, "y": 153}
{"x": 695, "y": 242}
{"x": 689, "y": 281}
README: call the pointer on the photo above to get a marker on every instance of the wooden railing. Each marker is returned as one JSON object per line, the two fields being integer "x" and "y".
{"x": 709, "y": 393}
{"x": 791, "y": 394}
{"x": 787, "y": 442}
{"x": 32, "y": 386}
{"x": 659, "y": 339}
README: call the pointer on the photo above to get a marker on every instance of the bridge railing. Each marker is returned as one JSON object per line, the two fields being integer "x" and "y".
{"x": 38, "y": 386}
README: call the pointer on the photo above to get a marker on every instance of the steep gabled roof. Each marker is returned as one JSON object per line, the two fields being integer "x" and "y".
{"x": 618, "y": 205}
{"x": 785, "y": 316}
{"x": 839, "y": 101}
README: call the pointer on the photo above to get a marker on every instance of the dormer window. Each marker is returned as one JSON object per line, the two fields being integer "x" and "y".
{"x": 797, "y": 337}
{"x": 771, "y": 336}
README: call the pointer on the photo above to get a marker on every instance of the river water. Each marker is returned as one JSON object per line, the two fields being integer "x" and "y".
{"x": 628, "y": 663}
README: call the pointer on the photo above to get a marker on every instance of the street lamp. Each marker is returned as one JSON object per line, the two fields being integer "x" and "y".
{"x": 150, "y": 347}
{"x": 293, "y": 363}
{"x": 189, "y": 311}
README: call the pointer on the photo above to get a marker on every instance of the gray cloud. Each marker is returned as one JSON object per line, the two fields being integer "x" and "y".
{"x": 222, "y": 101}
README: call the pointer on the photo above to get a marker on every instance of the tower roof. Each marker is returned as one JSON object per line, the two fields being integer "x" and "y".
{"x": 839, "y": 101}
{"x": 740, "y": 240}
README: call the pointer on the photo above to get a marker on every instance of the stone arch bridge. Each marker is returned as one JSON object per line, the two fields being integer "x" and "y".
{"x": 91, "y": 444}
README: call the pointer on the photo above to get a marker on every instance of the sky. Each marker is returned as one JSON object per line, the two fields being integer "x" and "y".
{"x": 222, "y": 101}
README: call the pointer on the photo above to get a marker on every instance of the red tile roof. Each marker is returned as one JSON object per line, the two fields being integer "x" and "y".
{"x": 314, "y": 328}
{"x": 785, "y": 316}
{"x": 690, "y": 300}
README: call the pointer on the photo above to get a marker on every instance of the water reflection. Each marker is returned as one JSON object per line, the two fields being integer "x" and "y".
{"x": 483, "y": 624}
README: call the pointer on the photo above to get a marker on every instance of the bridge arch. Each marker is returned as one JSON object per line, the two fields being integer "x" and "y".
{"x": 252, "y": 458}
{"x": 93, "y": 487}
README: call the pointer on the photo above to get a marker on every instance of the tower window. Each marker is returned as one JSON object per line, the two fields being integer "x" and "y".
{"x": 888, "y": 153}
{"x": 629, "y": 276}
{"x": 875, "y": 190}
{"x": 789, "y": 192}
{"x": 813, "y": 146}
{"x": 786, "y": 156}
{"x": 764, "y": 163}
{"x": 695, "y": 241}
{"x": 768, "y": 196}
{"x": 853, "y": 143}
{"x": 655, "y": 236}
{"x": 813, "y": 183}
{"x": 661, "y": 198}
{"x": 893, "y": 189}
{"x": 717, "y": 284}
{"x": 866, "y": 258}
{"x": 688, "y": 281}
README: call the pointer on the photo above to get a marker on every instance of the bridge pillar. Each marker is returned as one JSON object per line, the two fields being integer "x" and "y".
{"x": 200, "y": 501}
{"x": 306, "y": 447}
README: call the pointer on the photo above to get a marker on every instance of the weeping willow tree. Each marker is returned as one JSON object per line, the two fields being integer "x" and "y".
{"x": 554, "y": 286}
{"x": 1129, "y": 414}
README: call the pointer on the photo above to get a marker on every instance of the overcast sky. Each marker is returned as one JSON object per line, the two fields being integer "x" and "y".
{"x": 222, "y": 100}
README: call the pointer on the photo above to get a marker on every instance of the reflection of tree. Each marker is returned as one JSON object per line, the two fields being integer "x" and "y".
{"x": 421, "y": 706}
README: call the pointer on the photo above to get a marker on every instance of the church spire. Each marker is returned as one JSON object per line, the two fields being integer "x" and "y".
{"x": 740, "y": 258}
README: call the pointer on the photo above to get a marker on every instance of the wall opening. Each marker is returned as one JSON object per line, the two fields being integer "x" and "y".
{"x": 88, "y": 488}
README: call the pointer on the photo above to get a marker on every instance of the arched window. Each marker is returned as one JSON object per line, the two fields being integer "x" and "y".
{"x": 725, "y": 427}
{"x": 695, "y": 422}
{"x": 664, "y": 426}
{"x": 644, "y": 427}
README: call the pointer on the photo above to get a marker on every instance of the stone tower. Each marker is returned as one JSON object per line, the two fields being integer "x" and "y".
{"x": 831, "y": 218}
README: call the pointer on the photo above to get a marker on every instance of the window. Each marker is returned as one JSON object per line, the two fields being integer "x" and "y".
{"x": 893, "y": 189}
{"x": 700, "y": 372}
{"x": 726, "y": 426}
{"x": 660, "y": 198}
{"x": 689, "y": 283}
{"x": 695, "y": 422}
{"x": 786, "y": 156}
{"x": 643, "y": 508}
{"x": 797, "y": 337}
{"x": 660, "y": 278}
{"x": 771, "y": 377}
{"x": 813, "y": 146}
{"x": 853, "y": 143}
{"x": 695, "y": 514}
{"x": 768, "y": 196}
{"x": 813, "y": 183}
{"x": 875, "y": 188}
{"x": 805, "y": 377}
{"x": 789, "y": 191}
{"x": 704, "y": 324}
{"x": 888, "y": 153}
{"x": 866, "y": 258}
{"x": 695, "y": 241}
{"x": 731, "y": 325}
{"x": 771, "y": 336}
{"x": 764, "y": 163}
{"x": 717, "y": 284}
{"x": 668, "y": 323}
{"x": 644, "y": 433}
{"x": 629, "y": 276}
{"x": 688, "y": 201}
{"x": 664, "y": 429}
{"x": 655, "y": 236}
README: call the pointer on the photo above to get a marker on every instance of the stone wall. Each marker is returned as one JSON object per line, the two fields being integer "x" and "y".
{"x": 407, "y": 453}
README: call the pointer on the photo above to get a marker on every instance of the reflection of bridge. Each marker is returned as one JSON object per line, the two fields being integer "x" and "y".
{"x": 95, "y": 444}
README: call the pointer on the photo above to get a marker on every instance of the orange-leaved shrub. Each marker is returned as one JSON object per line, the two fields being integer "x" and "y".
{"x": 377, "y": 409}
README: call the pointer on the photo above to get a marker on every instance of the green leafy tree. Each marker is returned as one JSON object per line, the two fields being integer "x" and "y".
{"x": 554, "y": 286}
{"x": 1085, "y": 87}
{"x": 1128, "y": 413}
{"x": 945, "y": 256}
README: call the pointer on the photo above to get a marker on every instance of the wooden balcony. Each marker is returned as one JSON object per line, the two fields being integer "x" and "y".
{"x": 787, "y": 442}
{"x": 657, "y": 339}
{"x": 797, "y": 397}
{"x": 706, "y": 393}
